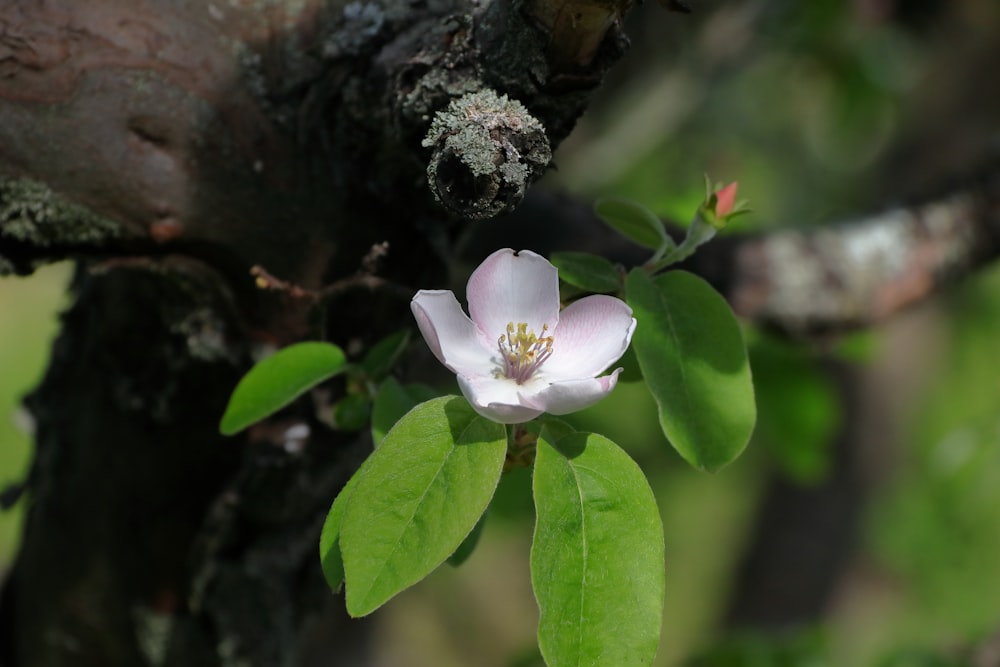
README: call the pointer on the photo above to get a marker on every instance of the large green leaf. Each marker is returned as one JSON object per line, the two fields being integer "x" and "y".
{"x": 633, "y": 221}
{"x": 419, "y": 495}
{"x": 278, "y": 380}
{"x": 597, "y": 556}
{"x": 694, "y": 360}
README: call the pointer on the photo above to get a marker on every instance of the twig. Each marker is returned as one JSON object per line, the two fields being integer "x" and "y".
{"x": 363, "y": 279}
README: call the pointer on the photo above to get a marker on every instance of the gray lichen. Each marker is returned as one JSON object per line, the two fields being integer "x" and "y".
{"x": 487, "y": 149}
{"x": 32, "y": 213}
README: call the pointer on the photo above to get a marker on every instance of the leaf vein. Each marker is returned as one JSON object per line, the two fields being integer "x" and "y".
{"x": 409, "y": 522}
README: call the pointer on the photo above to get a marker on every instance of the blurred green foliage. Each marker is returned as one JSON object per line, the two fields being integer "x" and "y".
{"x": 798, "y": 407}
{"x": 937, "y": 525}
{"x": 27, "y": 328}
{"x": 802, "y": 648}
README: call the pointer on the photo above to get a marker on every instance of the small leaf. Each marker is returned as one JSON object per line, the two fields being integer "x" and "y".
{"x": 392, "y": 401}
{"x": 694, "y": 360}
{"x": 329, "y": 540}
{"x": 383, "y": 355}
{"x": 351, "y": 413}
{"x": 586, "y": 271}
{"x": 421, "y": 494}
{"x": 597, "y": 565}
{"x": 468, "y": 545}
{"x": 278, "y": 380}
{"x": 633, "y": 221}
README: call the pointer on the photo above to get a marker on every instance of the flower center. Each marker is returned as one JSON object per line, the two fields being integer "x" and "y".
{"x": 523, "y": 352}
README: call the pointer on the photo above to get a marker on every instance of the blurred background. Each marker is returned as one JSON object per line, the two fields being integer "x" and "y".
{"x": 862, "y": 524}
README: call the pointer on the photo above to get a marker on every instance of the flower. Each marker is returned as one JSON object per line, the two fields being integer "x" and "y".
{"x": 518, "y": 356}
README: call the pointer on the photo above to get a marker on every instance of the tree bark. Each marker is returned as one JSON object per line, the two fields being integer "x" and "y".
{"x": 170, "y": 147}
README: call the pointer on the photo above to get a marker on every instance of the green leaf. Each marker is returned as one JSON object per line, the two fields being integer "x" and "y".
{"x": 383, "y": 355}
{"x": 419, "y": 496}
{"x": 329, "y": 540}
{"x": 392, "y": 401}
{"x": 597, "y": 557}
{"x": 351, "y": 413}
{"x": 633, "y": 221}
{"x": 694, "y": 360}
{"x": 278, "y": 380}
{"x": 586, "y": 271}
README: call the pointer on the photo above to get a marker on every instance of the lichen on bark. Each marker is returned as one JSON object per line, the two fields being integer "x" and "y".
{"x": 31, "y": 212}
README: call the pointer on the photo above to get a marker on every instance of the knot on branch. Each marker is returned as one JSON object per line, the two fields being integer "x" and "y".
{"x": 487, "y": 149}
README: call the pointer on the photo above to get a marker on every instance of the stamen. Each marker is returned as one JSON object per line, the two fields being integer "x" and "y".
{"x": 523, "y": 352}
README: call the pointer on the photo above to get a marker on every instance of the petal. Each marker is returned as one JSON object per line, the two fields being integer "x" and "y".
{"x": 496, "y": 399}
{"x": 510, "y": 287}
{"x": 593, "y": 333}
{"x": 449, "y": 332}
{"x": 561, "y": 398}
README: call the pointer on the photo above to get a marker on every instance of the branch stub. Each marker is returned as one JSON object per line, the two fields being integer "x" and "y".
{"x": 487, "y": 149}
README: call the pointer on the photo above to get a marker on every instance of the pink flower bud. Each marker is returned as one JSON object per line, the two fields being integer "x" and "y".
{"x": 725, "y": 200}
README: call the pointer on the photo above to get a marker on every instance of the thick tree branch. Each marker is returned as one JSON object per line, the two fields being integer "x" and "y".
{"x": 860, "y": 272}
{"x": 271, "y": 134}
{"x": 174, "y": 144}
{"x": 801, "y": 281}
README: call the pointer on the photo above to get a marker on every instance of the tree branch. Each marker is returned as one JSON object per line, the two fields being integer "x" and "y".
{"x": 860, "y": 272}
{"x": 173, "y": 145}
{"x": 803, "y": 282}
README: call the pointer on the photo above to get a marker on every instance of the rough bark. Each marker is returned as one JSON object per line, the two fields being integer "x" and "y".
{"x": 172, "y": 146}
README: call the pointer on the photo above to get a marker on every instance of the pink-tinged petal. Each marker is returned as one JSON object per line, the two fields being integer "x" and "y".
{"x": 451, "y": 335}
{"x": 725, "y": 199}
{"x": 513, "y": 288}
{"x": 561, "y": 398}
{"x": 593, "y": 333}
{"x": 498, "y": 400}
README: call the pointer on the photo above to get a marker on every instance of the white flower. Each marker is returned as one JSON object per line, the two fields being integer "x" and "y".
{"x": 518, "y": 355}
